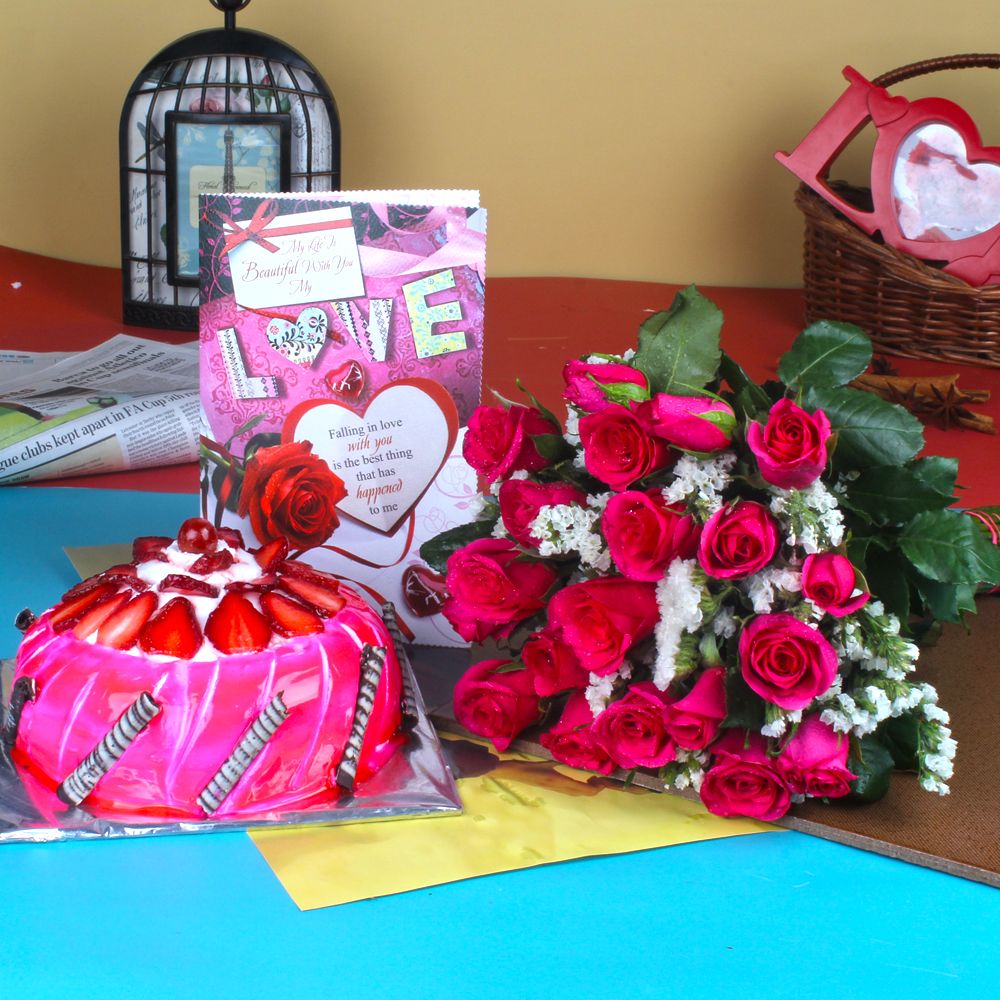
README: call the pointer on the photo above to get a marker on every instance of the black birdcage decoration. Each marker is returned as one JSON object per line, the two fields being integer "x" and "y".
{"x": 223, "y": 110}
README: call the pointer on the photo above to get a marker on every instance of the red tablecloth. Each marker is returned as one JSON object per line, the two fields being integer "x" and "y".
{"x": 533, "y": 325}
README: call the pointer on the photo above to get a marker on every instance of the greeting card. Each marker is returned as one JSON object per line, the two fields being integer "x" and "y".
{"x": 341, "y": 359}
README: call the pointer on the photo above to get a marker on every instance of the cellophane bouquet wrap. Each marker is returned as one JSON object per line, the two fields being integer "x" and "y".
{"x": 720, "y": 582}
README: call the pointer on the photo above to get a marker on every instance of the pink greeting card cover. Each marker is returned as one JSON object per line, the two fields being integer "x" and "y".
{"x": 341, "y": 359}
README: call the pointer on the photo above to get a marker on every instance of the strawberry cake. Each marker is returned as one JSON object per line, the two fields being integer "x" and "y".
{"x": 204, "y": 680}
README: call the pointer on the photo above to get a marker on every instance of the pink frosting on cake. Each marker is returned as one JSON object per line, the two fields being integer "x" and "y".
{"x": 206, "y": 706}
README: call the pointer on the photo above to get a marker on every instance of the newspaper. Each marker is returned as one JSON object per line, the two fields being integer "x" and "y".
{"x": 128, "y": 403}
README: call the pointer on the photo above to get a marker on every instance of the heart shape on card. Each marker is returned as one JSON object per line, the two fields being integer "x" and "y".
{"x": 939, "y": 194}
{"x": 388, "y": 455}
{"x": 299, "y": 341}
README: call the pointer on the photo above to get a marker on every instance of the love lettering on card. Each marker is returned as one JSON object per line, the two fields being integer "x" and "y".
{"x": 341, "y": 358}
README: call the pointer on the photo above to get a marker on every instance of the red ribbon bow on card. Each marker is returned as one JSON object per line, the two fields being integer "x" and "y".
{"x": 253, "y": 230}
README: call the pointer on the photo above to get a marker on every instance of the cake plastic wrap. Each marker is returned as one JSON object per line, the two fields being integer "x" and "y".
{"x": 415, "y": 781}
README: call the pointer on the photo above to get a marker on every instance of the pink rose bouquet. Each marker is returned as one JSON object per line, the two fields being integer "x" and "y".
{"x": 690, "y": 579}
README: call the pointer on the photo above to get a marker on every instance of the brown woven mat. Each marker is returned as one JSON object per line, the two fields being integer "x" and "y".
{"x": 958, "y": 833}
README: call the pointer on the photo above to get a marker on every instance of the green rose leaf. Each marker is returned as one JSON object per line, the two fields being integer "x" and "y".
{"x": 937, "y": 473}
{"x": 744, "y": 710}
{"x": 750, "y": 398}
{"x": 945, "y": 601}
{"x": 510, "y": 668}
{"x": 944, "y": 545}
{"x": 900, "y": 736}
{"x": 886, "y": 576}
{"x": 679, "y": 348}
{"x": 435, "y": 551}
{"x": 873, "y": 764}
{"x": 890, "y": 494}
{"x": 554, "y": 447}
{"x": 870, "y": 431}
{"x": 622, "y": 393}
{"x": 826, "y": 353}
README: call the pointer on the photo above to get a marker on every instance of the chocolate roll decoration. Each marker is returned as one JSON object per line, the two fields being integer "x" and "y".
{"x": 25, "y": 619}
{"x": 254, "y": 740}
{"x": 24, "y": 690}
{"x": 372, "y": 662}
{"x": 106, "y": 754}
{"x": 409, "y": 706}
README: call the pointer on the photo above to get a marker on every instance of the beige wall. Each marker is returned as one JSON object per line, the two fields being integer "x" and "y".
{"x": 610, "y": 138}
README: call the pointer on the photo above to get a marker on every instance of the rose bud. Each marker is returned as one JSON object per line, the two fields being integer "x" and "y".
{"x": 693, "y": 721}
{"x": 791, "y": 448}
{"x": 491, "y": 588}
{"x": 552, "y": 663}
{"x": 617, "y": 448}
{"x": 814, "y": 760}
{"x": 738, "y": 540}
{"x": 829, "y": 580}
{"x": 496, "y": 705}
{"x": 498, "y": 440}
{"x": 633, "y": 729}
{"x": 645, "y": 534}
{"x": 571, "y": 739}
{"x": 521, "y": 500}
{"x": 786, "y": 661}
{"x": 602, "y": 619}
{"x": 290, "y": 493}
{"x": 585, "y": 384}
{"x": 743, "y": 780}
{"x": 691, "y": 423}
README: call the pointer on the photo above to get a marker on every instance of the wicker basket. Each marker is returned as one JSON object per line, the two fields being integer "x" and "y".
{"x": 908, "y": 307}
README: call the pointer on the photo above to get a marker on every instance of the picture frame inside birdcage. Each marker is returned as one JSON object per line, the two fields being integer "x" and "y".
{"x": 217, "y": 154}
{"x": 196, "y": 88}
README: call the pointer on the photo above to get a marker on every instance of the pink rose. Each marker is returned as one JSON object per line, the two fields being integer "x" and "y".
{"x": 633, "y": 729}
{"x": 584, "y": 383}
{"x": 552, "y": 663}
{"x": 492, "y": 587}
{"x": 617, "y": 448}
{"x": 522, "y": 499}
{"x": 496, "y": 705}
{"x": 743, "y": 780}
{"x": 737, "y": 541}
{"x": 601, "y": 619}
{"x": 814, "y": 760}
{"x": 571, "y": 739}
{"x": 691, "y": 423}
{"x": 829, "y": 581}
{"x": 787, "y": 662}
{"x": 791, "y": 448}
{"x": 645, "y": 533}
{"x": 693, "y": 721}
{"x": 498, "y": 441}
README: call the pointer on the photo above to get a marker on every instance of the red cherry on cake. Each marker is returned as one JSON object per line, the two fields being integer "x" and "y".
{"x": 197, "y": 535}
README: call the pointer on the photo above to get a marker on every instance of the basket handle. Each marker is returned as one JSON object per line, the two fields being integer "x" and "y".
{"x": 970, "y": 60}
